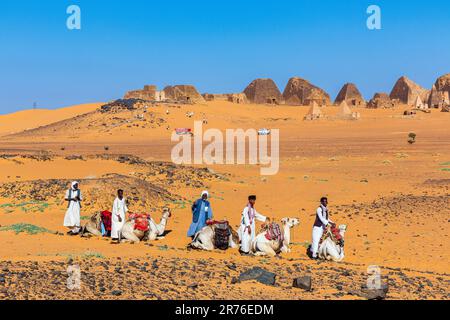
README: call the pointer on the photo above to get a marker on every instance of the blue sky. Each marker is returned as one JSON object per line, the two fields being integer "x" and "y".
{"x": 219, "y": 46}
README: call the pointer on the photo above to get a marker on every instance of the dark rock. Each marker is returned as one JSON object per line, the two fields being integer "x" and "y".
{"x": 304, "y": 283}
{"x": 116, "y": 293}
{"x": 258, "y": 274}
{"x": 231, "y": 266}
{"x": 193, "y": 286}
{"x": 374, "y": 294}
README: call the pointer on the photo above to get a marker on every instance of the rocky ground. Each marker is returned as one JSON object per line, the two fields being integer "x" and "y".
{"x": 162, "y": 277}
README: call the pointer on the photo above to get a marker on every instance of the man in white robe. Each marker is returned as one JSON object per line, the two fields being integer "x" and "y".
{"x": 72, "y": 218}
{"x": 320, "y": 224}
{"x": 247, "y": 230}
{"x": 118, "y": 214}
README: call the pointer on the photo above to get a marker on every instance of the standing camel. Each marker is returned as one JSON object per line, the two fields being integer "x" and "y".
{"x": 154, "y": 232}
{"x": 261, "y": 246}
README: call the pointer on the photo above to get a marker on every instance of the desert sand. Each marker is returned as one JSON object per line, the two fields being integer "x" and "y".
{"x": 394, "y": 197}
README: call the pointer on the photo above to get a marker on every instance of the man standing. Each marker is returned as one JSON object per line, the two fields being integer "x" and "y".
{"x": 118, "y": 214}
{"x": 320, "y": 224}
{"x": 72, "y": 217}
{"x": 247, "y": 230}
{"x": 201, "y": 214}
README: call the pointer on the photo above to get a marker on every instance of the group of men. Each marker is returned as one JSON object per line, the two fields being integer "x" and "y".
{"x": 201, "y": 215}
{"x": 72, "y": 218}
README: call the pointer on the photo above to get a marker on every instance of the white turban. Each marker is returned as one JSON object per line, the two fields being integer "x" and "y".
{"x": 73, "y": 184}
{"x": 205, "y": 193}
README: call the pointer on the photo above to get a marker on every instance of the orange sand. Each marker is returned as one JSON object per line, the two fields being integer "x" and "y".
{"x": 354, "y": 163}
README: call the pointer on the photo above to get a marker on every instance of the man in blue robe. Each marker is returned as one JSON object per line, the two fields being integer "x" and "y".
{"x": 201, "y": 214}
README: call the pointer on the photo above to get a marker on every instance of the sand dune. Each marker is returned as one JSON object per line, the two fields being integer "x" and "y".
{"x": 29, "y": 119}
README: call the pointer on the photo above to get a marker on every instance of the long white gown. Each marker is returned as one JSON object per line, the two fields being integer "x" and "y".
{"x": 119, "y": 209}
{"x": 72, "y": 217}
{"x": 246, "y": 221}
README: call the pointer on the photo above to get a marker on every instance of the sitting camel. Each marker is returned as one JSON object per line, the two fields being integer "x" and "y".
{"x": 154, "y": 232}
{"x": 93, "y": 226}
{"x": 261, "y": 246}
{"x": 329, "y": 249}
{"x": 204, "y": 239}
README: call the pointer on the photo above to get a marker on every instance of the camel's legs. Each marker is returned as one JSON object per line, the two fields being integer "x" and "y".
{"x": 130, "y": 236}
{"x": 266, "y": 248}
{"x": 201, "y": 244}
{"x": 93, "y": 230}
{"x": 285, "y": 249}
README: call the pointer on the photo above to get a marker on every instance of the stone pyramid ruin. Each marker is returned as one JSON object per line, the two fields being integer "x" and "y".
{"x": 381, "y": 100}
{"x": 263, "y": 91}
{"x": 299, "y": 91}
{"x": 344, "y": 109}
{"x": 314, "y": 112}
{"x": 149, "y": 93}
{"x": 346, "y": 113}
{"x": 440, "y": 93}
{"x": 406, "y": 91}
{"x": 184, "y": 94}
{"x": 351, "y": 95}
{"x": 419, "y": 104}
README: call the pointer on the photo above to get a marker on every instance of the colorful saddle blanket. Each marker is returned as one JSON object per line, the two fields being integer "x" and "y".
{"x": 335, "y": 235}
{"x": 141, "y": 221}
{"x": 274, "y": 232}
{"x": 106, "y": 219}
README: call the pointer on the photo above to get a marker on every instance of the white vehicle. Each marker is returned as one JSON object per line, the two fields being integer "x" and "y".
{"x": 264, "y": 132}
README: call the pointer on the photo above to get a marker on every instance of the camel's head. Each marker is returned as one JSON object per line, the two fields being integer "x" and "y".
{"x": 342, "y": 229}
{"x": 167, "y": 213}
{"x": 290, "y": 222}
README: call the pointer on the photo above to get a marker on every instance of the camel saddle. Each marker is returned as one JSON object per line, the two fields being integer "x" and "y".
{"x": 141, "y": 222}
{"x": 106, "y": 219}
{"x": 274, "y": 232}
{"x": 334, "y": 233}
{"x": 222, "y": 234}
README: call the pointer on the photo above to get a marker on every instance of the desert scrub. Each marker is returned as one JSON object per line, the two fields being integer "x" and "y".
{"x": 412, "y": 138}
{"x": 25, "y": 227}
{"x": 401, "y": 155}
{"x": 31, "y": 206}
{"x": 92, "y": 255}
{"x": 445, "y": 164}
{"x": 180, "y": 204}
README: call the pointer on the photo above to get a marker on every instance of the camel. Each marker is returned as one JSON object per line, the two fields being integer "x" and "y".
{"x": 93, "y": 226}
{"x": 261, "y": 246}
{"x": 155, "y": 232}
{"x": 204, "y": 239}
{"x": 329, "y": 250}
